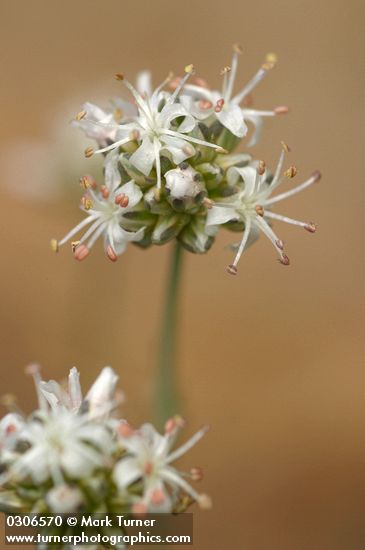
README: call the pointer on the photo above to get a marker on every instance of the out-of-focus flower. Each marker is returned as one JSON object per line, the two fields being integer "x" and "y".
{"x": 74, "y": 454}
{"x": 149, "y": 457}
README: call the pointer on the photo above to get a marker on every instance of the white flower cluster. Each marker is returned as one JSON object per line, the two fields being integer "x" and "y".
{"x": 171, "y": 171}
{"x": 73, "y": 455}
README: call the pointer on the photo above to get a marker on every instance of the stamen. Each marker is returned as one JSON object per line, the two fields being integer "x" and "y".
{"x": 125, "y": 429}
{"x": 158, "y": 497}
{"x": 157, "y": 194}
{"x": 225, "y": 70}
{"x": 196, "y": 473}
{"x": 80, "y": 115}
{"x": 87, "y": 182}
{"x": 187, "y": 445}
{"x": 201, "y": 82}
{"x": 224, "y": 73}
{"x": 139, "y": 508}
{"x": 81, "y": 252}
{"x": 208, "y": 203}
{"x": 284, "y": 260}
{"x": 156, "y": 148}
{"x": 34, "y": 371}
{"x": 134, "y": 135}
{"x": 193, "y": 140}
{"x": 205, "y": 502}
{"x": 74, "y": 245}
{"x": 148, "y": 468}
{"x": 188, "y": 150}
{"x": 204, "y": 105}
{"x": 104, "y": 192}
{"x": 285, "y": 147}
{"x": 122, "y": 200}
{"x": 269, "y": 233}
{"x": 232, "y": 269}
{"x": 90, "y": 218}
{"x": 118, "y": 114}
{"x": 89, "y": 151}
{"x": 256, "y": 79}
{"x": 112, "y": 146}
{"x": 259, "y": 210}
{"x": 261, "y": 167}
{"x": 219, "y": 105}
{"x": 311, "y": 227}
{"x": 237, "y": 48}
{"x": 281, "y": 110}
{"x": 291, "y": 172}
{"x": 174, "y": 423}
{"x": 110, "y": 252}
{"x": 270, "y": 61}
{"x": 54, "y": 245}
{"x": 189, "y": 70}
{"x": 313, "y": 179}
{"x": 87, "y": 203}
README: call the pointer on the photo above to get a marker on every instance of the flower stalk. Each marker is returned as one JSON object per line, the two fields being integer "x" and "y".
{"x": 167, "y": 401}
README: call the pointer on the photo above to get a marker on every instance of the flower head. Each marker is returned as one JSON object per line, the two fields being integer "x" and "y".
{"x": 252, "y": 202}
{"x": 149, "y": 458}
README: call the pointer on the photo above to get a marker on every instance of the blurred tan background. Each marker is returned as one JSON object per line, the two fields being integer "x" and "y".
{"x": 271, "y": 359}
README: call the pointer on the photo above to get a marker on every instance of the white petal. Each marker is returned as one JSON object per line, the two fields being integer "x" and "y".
{"x": 74, "y": 389}
{"x": 257, "y": 122}
{"x": 220, "y": 214}
{"x": 192, "y": 106}
{"x": 64, "y": 498}
{"x": 54, "y": 394}
{"x": 179, "y": 149}
{"x": 80, "y": 460}
{"x": 144, "y": 158}
{"x": 248, "y": 174}
{"x": 102, "y": 391}
{"x": 112, "y": 175}
{"x": 127, "y": 471}
{"x": 172, "y": 111}
{"x": 117, "y": 238}
{"x": 144, "y": 83}
{"x": 231, "y": 118}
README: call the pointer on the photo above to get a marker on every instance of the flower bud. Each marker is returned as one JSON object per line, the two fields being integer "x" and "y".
{"x": 185, "y": 188}
{"x": 194, "y": 237}
{"x": 64, "y": 498}
{"x": 168, "y": 227}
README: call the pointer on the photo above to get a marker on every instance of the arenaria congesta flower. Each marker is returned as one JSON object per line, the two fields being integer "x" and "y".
{"x": 252, "y": 202}
{"x": 105, "y": 210}
{"x": 229, "y": 109}
{"x": 171, "y": 168}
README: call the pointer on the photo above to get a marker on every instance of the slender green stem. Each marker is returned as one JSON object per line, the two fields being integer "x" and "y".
{"x": 167, "y": 395}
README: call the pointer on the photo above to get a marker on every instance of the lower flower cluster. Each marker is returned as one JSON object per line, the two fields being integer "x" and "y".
{"x": 74, "y": 455}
